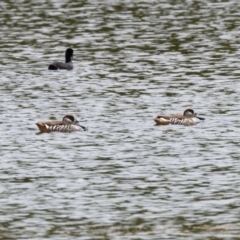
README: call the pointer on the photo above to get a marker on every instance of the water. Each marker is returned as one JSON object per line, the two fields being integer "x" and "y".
{"x": 124, "y": 178}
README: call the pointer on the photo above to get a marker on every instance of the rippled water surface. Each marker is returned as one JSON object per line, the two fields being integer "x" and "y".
{"x": 124, "y": 178}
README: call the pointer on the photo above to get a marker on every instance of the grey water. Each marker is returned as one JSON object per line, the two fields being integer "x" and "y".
{"x": 124, "y": 178}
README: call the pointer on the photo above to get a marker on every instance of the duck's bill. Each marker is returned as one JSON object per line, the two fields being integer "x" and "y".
{"x": 84, "y": 128}
{"x": 200, "y": 118}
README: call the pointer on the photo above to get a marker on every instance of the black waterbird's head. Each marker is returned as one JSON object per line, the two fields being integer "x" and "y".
{"x": 69, "y": 55}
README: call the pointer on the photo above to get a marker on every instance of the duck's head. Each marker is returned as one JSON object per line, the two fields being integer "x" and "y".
{"x": 189, "y": 112}
{"x": 69, "y": 118}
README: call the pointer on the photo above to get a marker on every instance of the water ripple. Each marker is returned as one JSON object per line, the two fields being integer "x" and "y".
{"x": 124, "y": 178}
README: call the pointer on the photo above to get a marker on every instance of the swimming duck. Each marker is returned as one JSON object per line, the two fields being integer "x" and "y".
{"x": 68, "y": 62}
{"x": 68, "y": 124}
{"x": 188, "y": 118}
